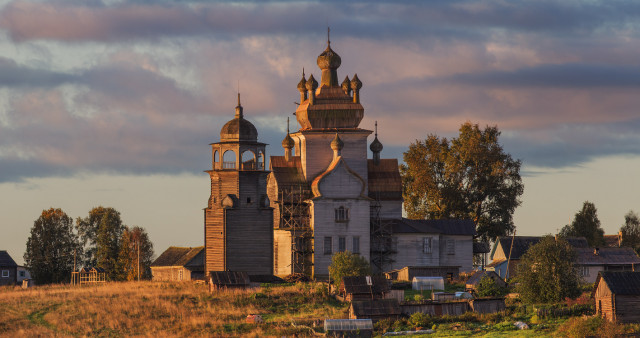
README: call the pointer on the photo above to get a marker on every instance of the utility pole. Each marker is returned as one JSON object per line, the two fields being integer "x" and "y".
{"x": 138, "y": 260}
{"x": 73, "y": 275}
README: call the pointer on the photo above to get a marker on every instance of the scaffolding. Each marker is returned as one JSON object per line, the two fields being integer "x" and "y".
{"x": 382, "y": 245}
{"x": 295, "y": 218}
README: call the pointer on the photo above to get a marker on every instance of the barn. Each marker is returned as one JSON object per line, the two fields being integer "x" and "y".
{"x": 179, "y": 264}
{"x": 617, "y": 296}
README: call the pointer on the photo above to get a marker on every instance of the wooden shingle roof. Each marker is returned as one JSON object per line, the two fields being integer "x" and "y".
{"x": 178, "y": 256}
{"x": 620, "y": 282}
{"x": 6, "y": 260}
{"x": 384, "y": 180}
{"x": 229, "y": 278}
{"x": 286, "y": 172}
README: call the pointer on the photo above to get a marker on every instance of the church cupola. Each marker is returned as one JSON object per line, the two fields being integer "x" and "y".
{"x": 287, "y": 144}
{"x": 376, "y": 147}
{"x": 239, "y": 129}
{"x": 346, "y": 85}
{"x": 337, "y": 146}
{"x": 311, "y": 86}
{"x": 302, "y": 88}
{"x": 329, "y": 61}
{"x": 356, "y": 85}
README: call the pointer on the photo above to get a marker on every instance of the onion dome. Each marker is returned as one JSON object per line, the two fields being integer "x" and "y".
{"x": 346, "y": 85}
{"x": 302, "y": 85}
{"x": 288, "y": 142}
{"x": 311, "y": 84}
{"x": 337, "y": 143}
{"x": 356, "y": 84}
{"x": 239, "y": 129}
{"x": 376, "y": 146}
{"x": 329, "y": 59}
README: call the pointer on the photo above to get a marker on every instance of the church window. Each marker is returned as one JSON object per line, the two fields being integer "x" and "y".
{"x": 426, "y": 245}
{"x": 327, "y": 245}
{"x": 356, "y": 245}
{"x": 342, "y": 214}
{"x": 451, "y": 247}
{"x": 342, "y": 244}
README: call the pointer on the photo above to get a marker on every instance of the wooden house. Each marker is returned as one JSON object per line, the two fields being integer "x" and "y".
{"x": 617, "y": 296}
{"x": 507, "y": 252}
{"x": 228, "y": 280}
{"x": 590, "y": 261}
{"x": 363, "y": 287}
{"x": 8, "y": 269}
{"x": 408, "y": 272}
{"x": 375, "y": 309}
{"x": 474, "y": 280}
{"x": 179, "y": 264}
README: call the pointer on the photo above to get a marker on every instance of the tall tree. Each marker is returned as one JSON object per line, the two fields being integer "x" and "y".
{"x": 51, "y": 247}
{"x": 585, "y": 224}
{"x": 135, "y": 246}
{"x": 546, "y": 272}
{"x": 631, "y": 231}
{"x": 100, "y": 233}
{"x": 470, "y": 176}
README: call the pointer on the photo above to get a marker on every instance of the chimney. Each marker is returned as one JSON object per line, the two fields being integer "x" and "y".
{"x": 596, "y": 251}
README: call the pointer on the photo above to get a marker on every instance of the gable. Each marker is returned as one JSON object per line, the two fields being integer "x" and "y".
{"x": 338, "y": 181}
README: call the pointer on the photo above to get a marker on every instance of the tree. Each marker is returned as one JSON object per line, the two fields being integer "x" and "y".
{"x": 51, "y": 247}
{"x": 468, "y": 177}
{"x": 487, "y": 287}
{"x": 546, "y": 272}
{"x": 631, "y": 231}
{"x": 347, "y": 264}
{"x": 100, "y": 233}
{"x": 585, "y": 224}
{"x": 132, "y": 240}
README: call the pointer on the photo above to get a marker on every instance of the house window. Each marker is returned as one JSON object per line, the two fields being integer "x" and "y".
{"x": 21, "y": 273}
{"x": 342, "y": 214}
{"x": 327, "y": 246}
{"x": 426, "y": 245}
{"x": 5, "y": 273}
{"x": 342, "y": 244}
{"x": 451, "y": 247}
{"x": 356, "y": 245}
{"x": 584, "y": 271}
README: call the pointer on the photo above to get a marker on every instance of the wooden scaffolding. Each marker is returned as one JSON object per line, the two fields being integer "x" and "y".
{"x": 382, "y": 246}
{"x": 295, "y": 217}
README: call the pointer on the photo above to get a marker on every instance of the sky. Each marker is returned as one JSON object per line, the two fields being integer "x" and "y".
{"x": 115, "y": 103}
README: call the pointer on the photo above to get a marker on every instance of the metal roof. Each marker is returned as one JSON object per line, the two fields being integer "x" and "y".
{"x": 606, "y": 256}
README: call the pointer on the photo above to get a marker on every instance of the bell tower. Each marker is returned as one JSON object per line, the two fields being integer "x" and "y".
{"x": 238, "y": 219}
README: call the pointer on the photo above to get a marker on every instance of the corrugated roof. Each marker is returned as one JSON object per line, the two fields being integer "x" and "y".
{"x": 178, "y": 256}
{"x": 358, "y": 284}
{"x": 437, "y": 226}
{"x": 6, "y": 260}
{"x": 620, "y": 282}
{"x": 606, "y": 256}
{"x": 376, "y": 307}
{"x": 384, "y": 180}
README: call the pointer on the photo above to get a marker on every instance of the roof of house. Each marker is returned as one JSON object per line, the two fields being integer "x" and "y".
{"x": 384, "y": 180}
{"x": 620, "y": 282}
{"x": 358, "y": 284}
{"x": 522, "y": 243}
{"x": 606, "y": 256}
{"x": 611, "y": 241}
{"x": 437, "y": 226}
{"x": 481, "y": 247}
{"x": 476, "y": 277}
{"x": 376, "y": 307}
{"x": 287, "y": 172}
{"x": 229, "y": 278}
{"x": 6, "y": 260}
{"x": 179, "y": 256}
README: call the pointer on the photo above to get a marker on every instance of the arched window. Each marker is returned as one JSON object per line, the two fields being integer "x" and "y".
{"x": 260, "y": 161}
{"x": 216, "y": 159}
{"x": 342, "y": 214}
{"x": 229, "y": 160}
{"x": 248, "y": 160}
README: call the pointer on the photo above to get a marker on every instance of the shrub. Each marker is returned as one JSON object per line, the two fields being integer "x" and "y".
{"x": 345, "y": 264}
{"x": 487, "y": 287}
{"x": 419, "y": 319}
{"x": 296, "y": 278}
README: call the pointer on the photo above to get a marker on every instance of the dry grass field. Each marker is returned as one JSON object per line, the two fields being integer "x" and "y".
{"x": 163, "y": 309}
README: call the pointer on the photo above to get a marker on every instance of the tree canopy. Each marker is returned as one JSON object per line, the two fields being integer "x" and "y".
{"x": 51, "y": 247}
{"x": 469, "y": 177}
{"x": 546, "y": 272}
{"x": 346, "y": 264}
{"x": 135, "y": 244}
{"x": 585, "y": 224}
{"x": 631, "y": 231}
{"x": 100, "y": 233}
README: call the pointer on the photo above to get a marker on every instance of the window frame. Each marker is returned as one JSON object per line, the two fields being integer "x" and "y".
{"x": 341, "y": 214}
{"x": 6, "y": 273}
{"x": 328, "y": 245}
{"x": 355, "y": 242}
{"x": 427, "y": 248}
{"x": 342, "y": 244}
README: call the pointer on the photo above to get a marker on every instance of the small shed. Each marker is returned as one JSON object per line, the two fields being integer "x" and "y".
{"x": 374, "y": 309}
{"x": 474, "y": 280}
{"x": 228, "y": 280}
{"x": 363, "y": 287}
{"x": 89, "y": 275}
{"x": 427, "y": 283}
{"x": 617, "y": 296}
{"x": 487, "y": 305}
{"x": 348, "y": 327}
{"x": 408, "y": 272}
{"x": 179, "y": 264}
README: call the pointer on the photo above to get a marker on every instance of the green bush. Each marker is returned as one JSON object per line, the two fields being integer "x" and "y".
{"x": 489, "y": 288}
{"x": 344, "y": 264}
{"x": 419, "y": 319}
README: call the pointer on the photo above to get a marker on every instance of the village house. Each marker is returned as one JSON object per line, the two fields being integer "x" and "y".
{"x": 363, "y": 287}
{"x": 617, "y": 296}
{"x": 591, "y": 261}
{"x": 179, "y": 264}
{"x": 507, "y": 252}
{"x": 8, "y": 269}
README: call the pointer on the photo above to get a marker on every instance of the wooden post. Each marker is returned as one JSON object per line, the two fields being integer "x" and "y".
{"x": 506, "y": 275}
{"x": 138, "y": 260}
